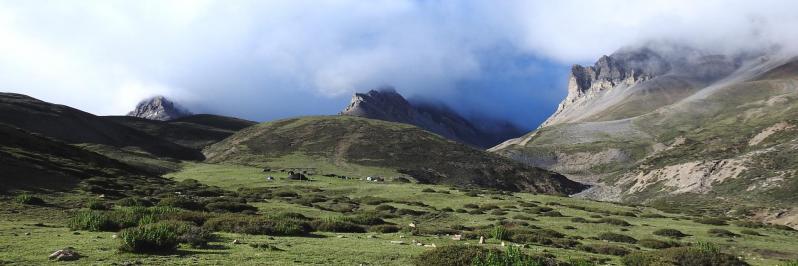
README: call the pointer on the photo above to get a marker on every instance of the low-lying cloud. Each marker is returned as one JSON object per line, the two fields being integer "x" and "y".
{"x": 269, "y": 59}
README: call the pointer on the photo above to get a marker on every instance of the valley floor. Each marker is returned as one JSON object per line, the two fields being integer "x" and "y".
{"x": 28, "y": 234}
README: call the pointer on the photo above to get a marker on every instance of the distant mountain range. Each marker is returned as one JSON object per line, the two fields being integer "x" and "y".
{"x": 388, "y": 105}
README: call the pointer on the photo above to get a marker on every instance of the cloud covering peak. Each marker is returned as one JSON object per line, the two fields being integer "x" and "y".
{"x": 268, "y": 59}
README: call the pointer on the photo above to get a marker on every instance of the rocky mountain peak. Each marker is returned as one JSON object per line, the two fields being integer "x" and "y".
{"x": 388, "y": 105}
{"x": 159, "y": 108}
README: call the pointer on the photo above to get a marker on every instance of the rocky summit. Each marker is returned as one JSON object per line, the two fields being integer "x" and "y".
{"x": 159, "y": 108}
{"x": 388, "y": 105}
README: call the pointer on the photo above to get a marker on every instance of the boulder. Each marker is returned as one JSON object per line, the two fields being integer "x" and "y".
{"x": 66, "y": 254}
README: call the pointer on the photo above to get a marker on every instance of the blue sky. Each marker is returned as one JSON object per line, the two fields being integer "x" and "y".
{"x": 264, "y": 60}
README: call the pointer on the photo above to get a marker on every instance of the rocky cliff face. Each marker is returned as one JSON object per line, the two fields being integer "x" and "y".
{"x": 159, "y": 108}
{"x": 676, "y": 128}
{"x": 614, "y": 78}
{"x": 388, "y": 105}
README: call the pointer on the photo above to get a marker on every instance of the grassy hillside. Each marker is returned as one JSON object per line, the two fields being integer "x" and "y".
{"x": 342, "y": 143}
{"x": 360, "y": 222}
{"x": 196, "y": 131}
{"x": 75, "y": 126}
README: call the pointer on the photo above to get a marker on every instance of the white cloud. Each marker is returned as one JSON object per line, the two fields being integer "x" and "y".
{"x": 262, "y": 59}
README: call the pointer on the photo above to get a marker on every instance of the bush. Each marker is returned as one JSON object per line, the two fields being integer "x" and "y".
{"x": 336, "y": 225}
{"x": 365, "y": 219}
{"x": 498, "y": 212}
{"x": 537, "y": 210}
{"x": 670, "y": 233}
{"x": 228, "y": 206}
{"x": 384, "y": 228}
{"x": 711, "y": 221}
{"x": 369, "y": 200}
{"x": 92, "y": 221}
{"x": 255, "y": 225}
{"x": 409, "y": 212}
{"x": 552, "y": 214}
{"x": 682, "y": 256}
{"x": 197, "y": 237}
{"x": 750, "y": 232}
{"x": 134, "y": 202}
{"x": 182, "y": 203}
{"x": 461, "y": 255}
{"x": 717, "y": 232}
{"x": 96, "y": 205}
{"x": 614, "y": 221}
{"x": 428, "y": 190}
{"x": 652, "y": 215}
{"x": 28, "y": 199}
{"x": 152, "y": 238}
{"x": 579, "y": 220}
{"x": 656, "y": 244}
{"x": 604, "y": 249}
{"x": 447, "y": 209}
{"x": 385, "y": 207}
{"x": 194, "y": 217}
{"x": 614, "y": 237}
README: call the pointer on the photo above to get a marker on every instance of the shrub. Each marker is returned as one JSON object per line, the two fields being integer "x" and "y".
{"x": 401, "y": 180}
{"x": 365, "y": 219}
{"x": 475, "y": 211}
{"x": 511, "y": 257}
{"x": 384, "y": 228}
{"x": 156, "y": 238}
{"x": 652, "y": 215}
{"x": 667, "y": 232}
{"x": 197, "y": 237}
{"x": 604, "y": 249}
{"x": 255, "y": 225}
{"x": 528, "y": 204}
{"x": 194, "y": 217}
{"x": 711, "y": 221}
{"x": 133, "y": 202}
{"x": 182, "y": 202}
{"x": 750, "y": 232}
{"x": 498, "y": 212}
{"x": 682, "y": 256}
{"x": 717, "y": 232}
{"x": 447, "y": 209}
{"x": 552, "y": 214}
{"x": 96, "y": 205}
{"x": 385, "y": 207}
{"x": 472, "y": 194}
{"x": 369, "y": 200}
{"x": 28, "y": 199}
{"x": 92, "y": 221}
{"x": 471, "y": 206}
{"x": 539, "y": 209}
{"x": 568, "y": 227}
{"x": 614, "y": 221}
{"x": 656, "y": 244}
{"x": 579, "y": 220}
{"x": 286, "y": 194}
{"x": 428, "y": 190}
{"x": 409, "y": 212}
{"x": 336, "y": 225}
{"x": 229, "y": 206}
{"x": 614, "y": 237}
{"x": 451, "y": 255}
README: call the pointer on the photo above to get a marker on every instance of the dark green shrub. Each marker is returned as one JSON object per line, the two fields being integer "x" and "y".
{"x": 688, "y": 256}
{"x": 604, "y": 249}
{"x": 152, "y": 238}
{"x": 369, "y": 200}
{"x": 134, "y": 202}
{"x": 194, "y": 217}
{"x": 228, "y": 206}
{"x": 711, "y": 221}
{"x": 255, "y": 225}
{"x": 717, "y": 232}
{"x": 447, "y": 209}
{"x": 750, "y": 232}
{"x": 384, "y": 228}
{"x": 568, "y": 227}
{"x": 461, "y": 211}
{"x": 614, "y": 221}
{"x": 197, "y": 237}
{"x": 428, "y": 190}
{"x": 96, "y": 205}
{"x": 454, "y": 255}
{"x": 656, "y": 244}
{"x": 410, "y": 212}
{"x": 401, "y": 180}
{"x": 286, "y": 194}
{"x": 579, "y": 220}
{"x": 92, "y": 221}
{"x": 552, "y": 214}
{"x": 667, "y": 232}
{"x": 337, "y": 225}
{"x": 615, "y": 237}
{"x": 539, "y": 210}
{"x": 475, "y": 211}
{"x": 471, "y": 206}
{"x": 652, "y": 215}
{"x": 524, "y": 217}
{"x": 28, "y": 199}
{"x": 385, "y": 207}
{"x": 528, "y": 204}
{"x": 498, "y": 212}
{"x": 472, "y": 194}
{"x": 182, "y": 202}
{"x": 365, "y": 219}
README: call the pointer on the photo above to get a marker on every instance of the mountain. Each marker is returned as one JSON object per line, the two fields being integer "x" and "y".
{"x": 676, "y": 128}
{"x": 193, "y": 131}
{"x": 388, "y": 105}
{"x": 360, "y": 146}
{"x": 159, "y": 108}
{"x": 77, "y": 127}
{"x": 30, "y": 161}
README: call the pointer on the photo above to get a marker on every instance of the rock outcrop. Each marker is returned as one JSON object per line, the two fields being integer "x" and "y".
{"x": 159, "y": 108}
{"x": 388, "y": 105}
